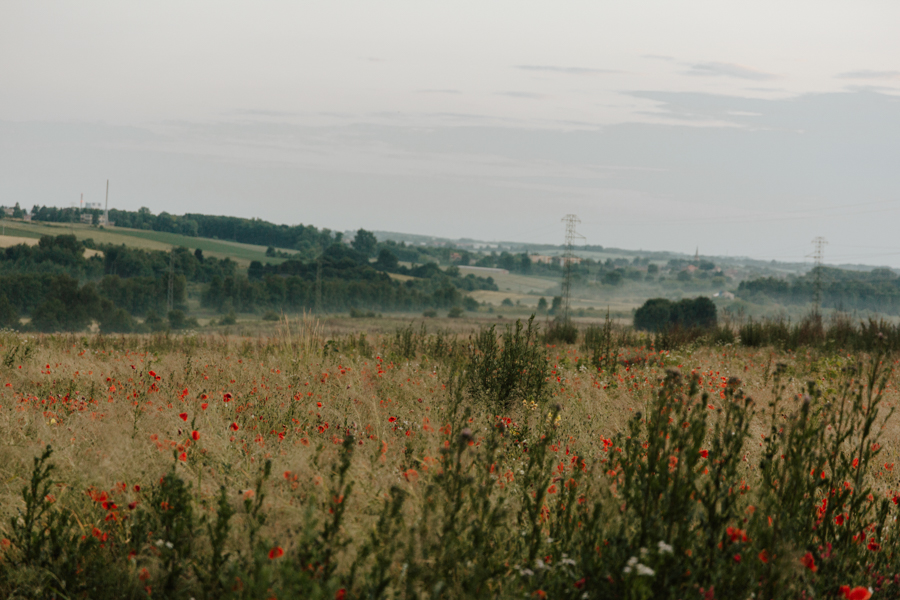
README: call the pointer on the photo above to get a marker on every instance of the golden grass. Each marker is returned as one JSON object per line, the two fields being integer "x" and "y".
{"x": 110, "y": 420}
{"x": 10, "y": 240}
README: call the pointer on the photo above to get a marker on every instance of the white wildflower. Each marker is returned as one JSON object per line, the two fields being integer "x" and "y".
{"x": 665, "y": 548}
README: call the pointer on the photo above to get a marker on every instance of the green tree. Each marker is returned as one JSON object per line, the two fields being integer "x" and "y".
{"x": 365, "y": 243}
{"x": 115, "y": 320}
{"x": 542, "y": 305}
{"x": 612, "y": 277}
{"x": 653, "y": 315}
{"x": 524, "y": 263}
{"x": 387, "y": 260}
{"x": 556, "y": 305}
{"x": 66, "y": 307}
{"x": 255, "y": 270}
{"x": 9, "y": 317}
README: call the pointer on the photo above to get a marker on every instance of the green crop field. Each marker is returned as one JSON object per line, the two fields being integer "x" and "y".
{"x": 148, "y": 240}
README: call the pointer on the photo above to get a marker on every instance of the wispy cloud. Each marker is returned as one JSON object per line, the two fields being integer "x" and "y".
{"x": 867, "y": 74}
{"x": 252, "y": 112}
{"x": 526, "y": 95}
{"x": 565, "y": 70}
{"x": 717, "y": 69}
{"x": 440, "y": 92}
{"x": 877, "y": 89}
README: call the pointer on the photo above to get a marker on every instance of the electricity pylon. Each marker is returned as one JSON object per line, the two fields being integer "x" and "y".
{"x": 568, "y": 259}
{"x": 817, "y": 255}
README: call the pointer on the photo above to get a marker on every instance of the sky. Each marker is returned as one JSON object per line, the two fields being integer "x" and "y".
{"x": 739, "y": 128}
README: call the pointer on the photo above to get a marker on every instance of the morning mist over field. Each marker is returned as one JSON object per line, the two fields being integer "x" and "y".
{"x": 742, "y": 129}
{"x": 395, "y": 300}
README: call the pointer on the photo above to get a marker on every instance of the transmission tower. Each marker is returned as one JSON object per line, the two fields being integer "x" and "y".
{"x": 817, "y": 255}
{"x": 170, "y": 297}
{"x": 568, "y": 259}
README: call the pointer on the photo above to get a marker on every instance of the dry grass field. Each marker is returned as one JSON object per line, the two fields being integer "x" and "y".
{"x": 349, "y": 425}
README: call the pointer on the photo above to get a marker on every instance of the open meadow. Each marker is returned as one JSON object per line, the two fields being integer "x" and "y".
{"x": 417, "y": 464}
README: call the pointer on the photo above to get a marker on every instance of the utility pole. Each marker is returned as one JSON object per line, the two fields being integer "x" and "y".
{"x": 106, "y": 211}
{"x": 568, "y": 259}
{"x": 817, "y": 255}
{"x": 170, "y": 297}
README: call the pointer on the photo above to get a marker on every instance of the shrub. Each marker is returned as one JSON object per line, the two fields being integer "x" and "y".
{"x": 561, "y": 331}
{"x": 657, "y": 314}
{"x": 228, "y": 319}
{"x": 502, "y": 374}
{"x": 455, "y": 312}
{"x": 116, "y": 320}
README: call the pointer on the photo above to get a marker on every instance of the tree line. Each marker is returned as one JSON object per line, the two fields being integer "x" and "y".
{"x": 60, "y": 288}
{"x": 877, "y": 290}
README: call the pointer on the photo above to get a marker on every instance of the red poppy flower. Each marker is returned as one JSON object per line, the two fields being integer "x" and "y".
{"x": 276, "y": 552}
{"x": 234, "y": 427}
{"x": 183, "y": 416}
{"x": 764, "y": 556}
{"x": 704, "y": 453}
{"x": 809, "y": 562}
{"x": 195, "y": 435}
{"x": 857, "y": 593}
{"x": 340, "y": 594}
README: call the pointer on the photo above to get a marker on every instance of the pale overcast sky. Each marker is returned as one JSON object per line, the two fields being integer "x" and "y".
{"x": 744, "y": 128}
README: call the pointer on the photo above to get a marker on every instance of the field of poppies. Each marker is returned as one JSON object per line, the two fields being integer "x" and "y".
{"x": 431, "y": 464}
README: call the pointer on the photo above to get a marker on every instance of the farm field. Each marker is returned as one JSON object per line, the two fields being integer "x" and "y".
{"x": 512, "y": 282}
{"x": 339, "y": 460}
{"x": 243, "y": 254}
